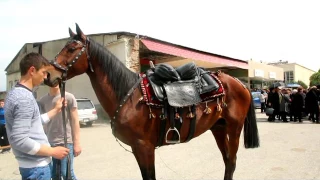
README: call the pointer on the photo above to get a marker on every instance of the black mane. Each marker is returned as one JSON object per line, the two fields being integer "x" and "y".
{"x": 120, "y": 77}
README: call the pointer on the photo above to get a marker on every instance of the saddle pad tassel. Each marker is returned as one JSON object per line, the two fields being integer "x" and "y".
{"x": 151, "y": 115}
{"x": 207, "y": 110}
{"x": 190, "y": 114}
{"x": 177, "y": 115}
{"x": 218, "y": 105}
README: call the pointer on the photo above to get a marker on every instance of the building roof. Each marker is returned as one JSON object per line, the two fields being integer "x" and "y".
{"x": 187, "y": 51}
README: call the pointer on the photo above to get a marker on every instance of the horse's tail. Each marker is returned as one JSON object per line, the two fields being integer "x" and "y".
{"x": 251, "y": 134}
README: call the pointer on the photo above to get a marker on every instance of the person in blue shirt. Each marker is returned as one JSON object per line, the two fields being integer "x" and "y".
{"x": 3, "y": 132}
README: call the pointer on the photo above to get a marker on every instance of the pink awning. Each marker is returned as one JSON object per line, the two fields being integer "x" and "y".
{"x": 185, "y": 53}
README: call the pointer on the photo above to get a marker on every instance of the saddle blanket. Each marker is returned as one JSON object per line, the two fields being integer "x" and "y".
{"x": 150, "y": 99}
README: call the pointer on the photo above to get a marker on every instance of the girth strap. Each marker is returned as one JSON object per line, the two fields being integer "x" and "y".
{"x": 192, "y": 127}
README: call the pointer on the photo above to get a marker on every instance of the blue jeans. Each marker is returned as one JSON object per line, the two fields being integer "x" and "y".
{"x": 63, "y": 165}
{"x": 36, "y": 173}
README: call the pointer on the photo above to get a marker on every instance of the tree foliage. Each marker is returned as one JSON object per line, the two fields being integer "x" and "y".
{"x": 302, "y": 84}
{"x": 315, "y": 79}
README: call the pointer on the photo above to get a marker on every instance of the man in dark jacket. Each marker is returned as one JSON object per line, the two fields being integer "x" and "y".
{"x": 269, "y": 103}
{"x": 312, "y": 103}
{"x": 297, "y": 105}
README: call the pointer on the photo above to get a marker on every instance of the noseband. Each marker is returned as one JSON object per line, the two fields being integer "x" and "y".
{"x": 64, "y": 69}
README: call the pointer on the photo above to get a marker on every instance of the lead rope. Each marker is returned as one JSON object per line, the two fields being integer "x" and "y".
{"x": 62, "y": 92}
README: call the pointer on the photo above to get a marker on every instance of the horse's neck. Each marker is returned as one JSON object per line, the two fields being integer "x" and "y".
{"x": 104, "y": 90}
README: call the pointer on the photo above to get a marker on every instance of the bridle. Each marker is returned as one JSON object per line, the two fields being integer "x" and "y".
{"x": 62, "y": 85}
{"x": 64, "y": 69}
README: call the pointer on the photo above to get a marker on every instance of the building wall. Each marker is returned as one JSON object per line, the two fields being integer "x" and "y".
{"x": 264, "y": 71}
{"x": 300, "y": 73}
{"x": 3, "y": 94}
{"x": 12, "y": 79}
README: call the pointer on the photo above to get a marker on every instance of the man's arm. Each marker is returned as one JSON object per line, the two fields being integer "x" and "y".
{"x": 45, "y": 118}
{"x": 75, "y": 129}
{"x": 19, "y": 136}
{"x": 58, "y": 152}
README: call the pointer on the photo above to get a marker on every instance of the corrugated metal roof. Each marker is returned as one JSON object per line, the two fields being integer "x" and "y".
{"x": 196, "y": 55}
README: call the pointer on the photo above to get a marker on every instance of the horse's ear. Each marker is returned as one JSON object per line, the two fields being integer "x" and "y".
{"x": 72, "y": 34}
{"x": 79, "y": 32}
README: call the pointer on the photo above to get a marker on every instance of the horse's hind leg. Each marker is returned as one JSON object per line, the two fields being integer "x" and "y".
{"x": 144, "y": 154}
{"x": 228, "y": 143}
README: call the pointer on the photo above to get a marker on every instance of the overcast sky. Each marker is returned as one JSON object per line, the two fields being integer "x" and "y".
{"x": 260, "y": 30}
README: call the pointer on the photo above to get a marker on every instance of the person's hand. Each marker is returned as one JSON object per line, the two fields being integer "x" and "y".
{"x": 77, "y": 150}
{"x": 60, "y": 152}
{"x": 58, "y": 105}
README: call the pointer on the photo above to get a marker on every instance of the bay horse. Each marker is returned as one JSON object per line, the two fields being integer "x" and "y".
{"x": 112, "y": 80}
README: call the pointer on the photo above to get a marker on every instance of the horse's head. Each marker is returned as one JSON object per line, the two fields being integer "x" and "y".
{"x": 72, "y": 60}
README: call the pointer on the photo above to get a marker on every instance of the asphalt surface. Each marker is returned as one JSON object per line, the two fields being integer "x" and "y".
{"x": 288, "y": 151}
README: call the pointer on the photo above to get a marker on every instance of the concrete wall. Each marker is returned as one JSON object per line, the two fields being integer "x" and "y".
{"x": 12, "y": 79}
{"x": 300, "y": 73}
{"x": 264, "y": 71}
{"x": 3, "y": 94}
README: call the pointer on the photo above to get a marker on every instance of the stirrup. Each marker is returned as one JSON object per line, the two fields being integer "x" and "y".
{"x": 173, "y": 141}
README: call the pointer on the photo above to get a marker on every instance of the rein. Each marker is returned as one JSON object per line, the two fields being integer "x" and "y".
{"x": 121, "y": 103}
{"x": 62, "y": 86}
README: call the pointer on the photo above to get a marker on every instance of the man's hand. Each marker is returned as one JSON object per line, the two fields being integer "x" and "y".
{"x": 60, "y": 152}
{"x": 76, "y": 150}
{"x": 58, "y": 105}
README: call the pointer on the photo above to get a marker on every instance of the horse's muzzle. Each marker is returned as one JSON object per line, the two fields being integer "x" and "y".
{"x": 51, "y": 83}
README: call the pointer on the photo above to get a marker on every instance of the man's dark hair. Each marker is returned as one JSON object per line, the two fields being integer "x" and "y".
{"x": 32, "y": 59}
{"x": 1, "y": 100}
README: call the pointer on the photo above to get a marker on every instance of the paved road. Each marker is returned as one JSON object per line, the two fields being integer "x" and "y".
{"x": 288, "y": 151}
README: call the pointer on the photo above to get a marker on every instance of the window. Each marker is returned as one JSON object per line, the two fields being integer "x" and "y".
{"x": 256, "y": 95}
{"x": 288, "y": 77}
{"x": 84, "y": 104}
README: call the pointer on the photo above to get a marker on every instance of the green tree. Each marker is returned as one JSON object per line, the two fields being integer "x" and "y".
{"x": 315, "y": 79}
{"x": 301, "y": 83}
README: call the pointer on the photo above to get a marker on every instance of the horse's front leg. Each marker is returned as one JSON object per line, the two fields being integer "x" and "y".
{"x": 144, "y": 153}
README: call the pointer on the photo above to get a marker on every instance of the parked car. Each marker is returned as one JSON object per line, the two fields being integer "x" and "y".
{"x": 256, "y": 99}
{"x": 87, "y": 111}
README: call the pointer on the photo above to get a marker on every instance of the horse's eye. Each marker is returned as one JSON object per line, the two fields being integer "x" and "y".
{"x": 71, "y": 50}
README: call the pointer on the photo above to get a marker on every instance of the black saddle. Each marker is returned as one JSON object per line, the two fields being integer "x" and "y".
{"x": 181, "y": 86}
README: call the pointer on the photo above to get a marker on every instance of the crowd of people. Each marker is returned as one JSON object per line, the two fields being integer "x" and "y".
{"x": 282, "y": 103}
